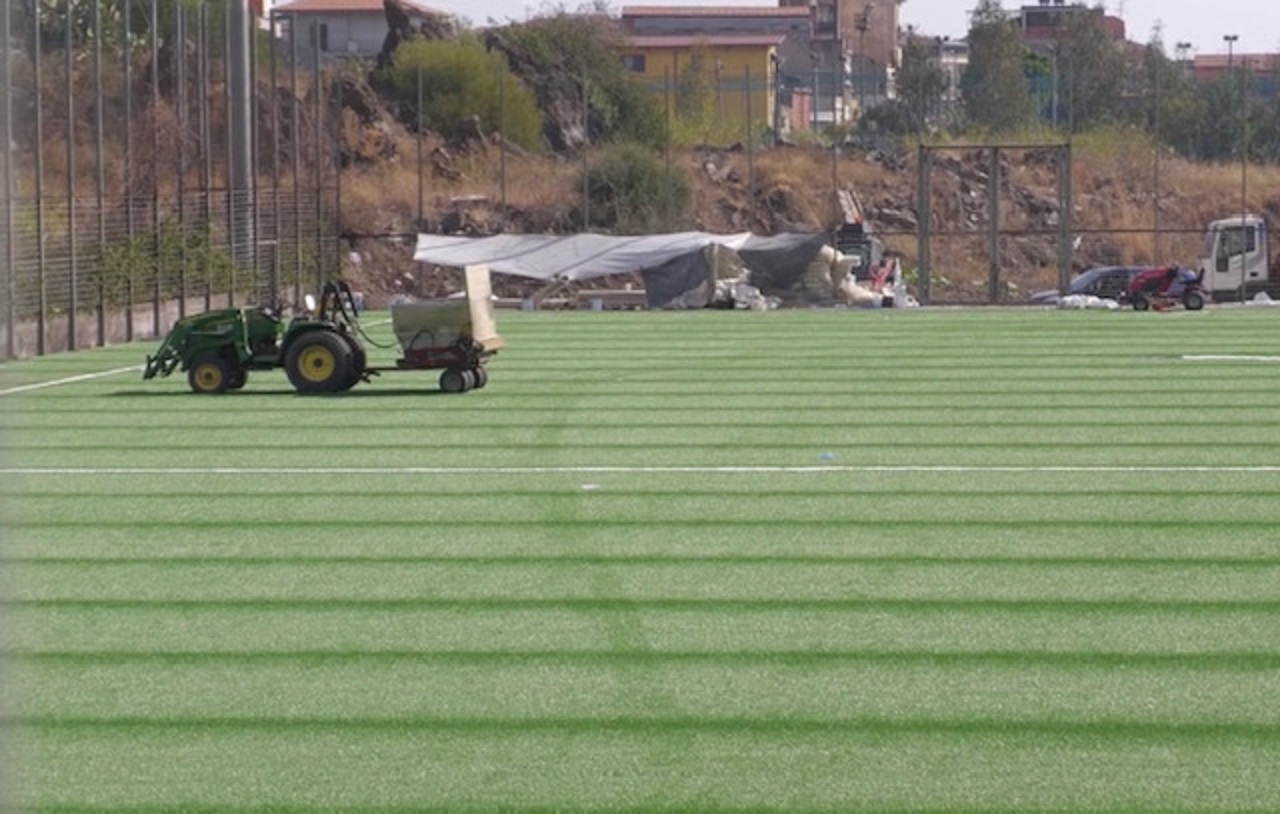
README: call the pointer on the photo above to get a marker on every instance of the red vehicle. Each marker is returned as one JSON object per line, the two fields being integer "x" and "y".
{"x": 1163, "y": 287}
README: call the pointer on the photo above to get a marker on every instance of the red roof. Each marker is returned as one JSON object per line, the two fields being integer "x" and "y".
{"x": 714, "y": 11}
{"x": 694, "y": 40}
{"x": 351, "y": 6}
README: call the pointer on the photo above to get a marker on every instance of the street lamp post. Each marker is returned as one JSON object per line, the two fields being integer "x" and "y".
{"x": 1184, "y": 62}
{"x": 774, "y": 63}
{"x": 1182, "y": 49}
{"x": 862, "y": 23}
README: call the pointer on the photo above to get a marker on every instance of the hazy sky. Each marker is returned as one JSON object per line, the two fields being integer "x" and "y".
{"x": 1200, "y": 22}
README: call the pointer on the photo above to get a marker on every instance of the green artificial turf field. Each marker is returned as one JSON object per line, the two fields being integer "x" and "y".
{"x": 888, "y": 560}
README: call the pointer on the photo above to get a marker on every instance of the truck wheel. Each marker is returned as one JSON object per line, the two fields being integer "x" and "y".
{"x": 319, "y": 362}
{"x": 209, "y": 374}
{"x": 1194, "y": 301}
{"x": 452, "y": 380}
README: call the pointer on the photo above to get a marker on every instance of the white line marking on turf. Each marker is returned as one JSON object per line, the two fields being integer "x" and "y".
{"x": 619, "y": 470}
{"x": 23, "y": 388}
{"x": 1227, "y": 357}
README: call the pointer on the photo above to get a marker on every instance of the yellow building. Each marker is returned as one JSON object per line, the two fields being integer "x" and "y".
{"x": 737, "y": 73}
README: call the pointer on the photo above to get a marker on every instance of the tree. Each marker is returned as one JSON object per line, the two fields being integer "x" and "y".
{"x": 921, "y": 84}
{"x": 555, "y": 54}
{"x": 1091, "y": 68}
{"x": 632, "y": 192}
{"x": 993, "y": 87}
{"x": 460, "y": 80}
{"x": 1171, "y": 110}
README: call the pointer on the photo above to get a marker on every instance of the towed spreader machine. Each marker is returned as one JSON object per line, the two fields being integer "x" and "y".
{"x": 322, "y": 350}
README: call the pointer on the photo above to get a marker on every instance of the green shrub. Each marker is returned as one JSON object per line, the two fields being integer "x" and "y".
{"x": 630, "y": 191}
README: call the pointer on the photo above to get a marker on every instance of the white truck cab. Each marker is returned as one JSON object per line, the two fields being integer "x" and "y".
{"x": 1236, "y": 259}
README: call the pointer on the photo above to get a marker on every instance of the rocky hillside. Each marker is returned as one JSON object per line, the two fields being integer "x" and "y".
{"x": 480, "y": 185}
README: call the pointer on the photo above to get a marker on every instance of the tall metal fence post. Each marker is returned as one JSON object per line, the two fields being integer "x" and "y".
{"x": 296, "y": 130}
{"x": 156, "y": 266}
{"x": 586, "y": 149}
{"x": 99, "y": 173}
{"x": 130, "y": 288}
{"x": 6, "y": 155}
{"x": 751, "y": 159}
{"x": 502, "y": 141}
{"x": 336, "y": 157}
{"x": 42, "y": 303}
{"x": 275, "y": 160}
{"x": 1065, "y": 204}
{"x": 180, "y": 159}
{"x": 240, "y": 182}
{"x": 318, "y": 94}
{"x": 418, "y": 142}
{"x": 993, "y": 228}
{"x": 73, "y": 302}
{"x": 924, "y": 223}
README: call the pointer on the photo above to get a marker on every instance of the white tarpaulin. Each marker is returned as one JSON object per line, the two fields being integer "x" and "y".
{"x": 567, "y": 257}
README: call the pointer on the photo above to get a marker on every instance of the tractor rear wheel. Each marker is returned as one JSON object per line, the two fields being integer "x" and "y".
{"x": 359, "y": 362}
{"x": 319, "y": 362}
{"x": 209, "y": 374}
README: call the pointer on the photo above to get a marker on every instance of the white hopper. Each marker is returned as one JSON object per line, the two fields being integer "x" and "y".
{"x": 443, "y": 322}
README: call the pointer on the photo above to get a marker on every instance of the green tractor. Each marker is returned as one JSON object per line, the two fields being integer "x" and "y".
{"x": 321, "y": 349}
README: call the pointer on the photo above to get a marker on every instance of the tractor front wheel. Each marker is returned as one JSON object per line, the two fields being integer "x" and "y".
{"x": 1193, "y": 300}
{"x": 319, "y": 362}
{"x": 1140, "y": 303}
{"x": 209, "y": 374}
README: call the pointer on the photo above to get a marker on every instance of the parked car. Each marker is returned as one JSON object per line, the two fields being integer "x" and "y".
{"x": 1107, "y": 282}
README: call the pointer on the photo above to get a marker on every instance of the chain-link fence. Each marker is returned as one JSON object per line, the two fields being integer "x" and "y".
{"x": 125, "y": 199}
{"x": 142, "y": 182}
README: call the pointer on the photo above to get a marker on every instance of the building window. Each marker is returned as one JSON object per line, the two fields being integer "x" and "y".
{"x": 320, "y": 36}
{"x": 824, "y": 19}
{"x": 633, "y": 62}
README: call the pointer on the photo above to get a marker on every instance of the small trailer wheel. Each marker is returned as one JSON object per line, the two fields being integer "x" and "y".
{"x": 452, "y": 380}
{"x": 238, "y": 379}
{"x": 482, "y": 377}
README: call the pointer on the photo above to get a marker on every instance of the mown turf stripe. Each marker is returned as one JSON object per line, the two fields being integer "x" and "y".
{"x": 605, "y": 603}
{"x": 437, "y": 524}
{"x": 798, "y": 489}
{"x": 304, "y": 559}
{"x": 640, "y": 469}
{"x": 1230, "y": 661}
{"x": 562, "y": 446}
{"x": 668, "y": 726}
